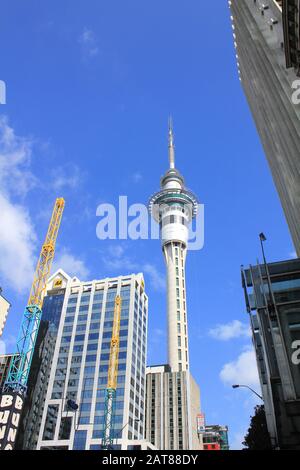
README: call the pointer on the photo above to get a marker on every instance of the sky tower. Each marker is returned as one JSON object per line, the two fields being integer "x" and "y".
{"x": 174, "y": 207}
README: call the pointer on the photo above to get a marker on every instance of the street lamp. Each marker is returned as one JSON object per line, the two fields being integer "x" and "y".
{"x": 246, "y": 386}
{"x": 263, "y": 239}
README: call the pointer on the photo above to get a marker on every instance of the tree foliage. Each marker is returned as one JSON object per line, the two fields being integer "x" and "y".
{"x": 258, "y": 437}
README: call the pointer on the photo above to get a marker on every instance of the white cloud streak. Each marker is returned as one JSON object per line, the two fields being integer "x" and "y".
{"x": 234, "y": 329}
{"x": 67, "y": 177}
{"x": 15, "y": 156}
{"x": 7, "y": 344}
{"x": 18, "y": 240}
{"x": 88, "y": 43}
{"x": 17, "y": 234}
{"x": 116, "y": 259}
{"x": 242, "y": 370}
{"x": 72, "y": 265}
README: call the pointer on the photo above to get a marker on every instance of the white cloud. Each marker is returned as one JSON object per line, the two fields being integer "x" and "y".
{"x": 18, "y": 240}
{"x": 235, "y": 329}
{"x": 17, "y": 245}
{"x": 15, "y": 156}
{"x": 116, "y": 259}
{"x": 156, "y": 278}
{"x": 17, "y": 234}
{"x": 7, "y": 344}
{"x": 242, "y": 371}
{"x": 2, "y": 347}
{"x": 66, "y": 177}
{"x": 71, "y": 265}
{"x": 137, "y": 177}
{"x": 89, "y": 43}
{"x": 293, "y": 255}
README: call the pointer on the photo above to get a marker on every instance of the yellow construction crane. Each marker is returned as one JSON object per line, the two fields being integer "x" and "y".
{"x": 15, "y": 386}
{"x": 20, "y": 365}
{"x": 46, "y": 256}
{"x": 110, "y": 398}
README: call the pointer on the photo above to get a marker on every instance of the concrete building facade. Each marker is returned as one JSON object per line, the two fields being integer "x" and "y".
{"x": 173, "y": 402}
{"x": 4, "y": 308}
{"x": 272, "y": 294}
{"x": 72, "y": 364}
{"x": 266, "y": 38}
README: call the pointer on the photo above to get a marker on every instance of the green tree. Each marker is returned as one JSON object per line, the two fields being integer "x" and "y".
{"x": 258, "y": 437}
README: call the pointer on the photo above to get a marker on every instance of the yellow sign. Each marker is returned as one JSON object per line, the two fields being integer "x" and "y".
{"x": 57, "y": 283}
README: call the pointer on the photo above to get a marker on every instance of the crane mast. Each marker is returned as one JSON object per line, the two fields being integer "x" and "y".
{"x": 17, "y": 378}
{"x": 20, "y": 365}
{"x": 110, "y": 397}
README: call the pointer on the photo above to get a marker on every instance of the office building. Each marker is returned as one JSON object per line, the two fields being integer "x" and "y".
{"x": 272, "y": 293}
{"x": 71, "y": 363}
{"x": 173, "y": 402}
{"x": 173, "y": 398}
{"x": 267, "y": 40}
{"x": 215, "y": 437}
{"x": 4, "y": 308}
{"x": 5, "y": 360}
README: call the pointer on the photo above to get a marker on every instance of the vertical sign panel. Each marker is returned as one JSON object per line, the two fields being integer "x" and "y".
{"x": 11, "y": 405}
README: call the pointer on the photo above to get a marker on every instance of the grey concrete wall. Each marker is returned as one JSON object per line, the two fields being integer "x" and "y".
{"x": 268, "y": 86}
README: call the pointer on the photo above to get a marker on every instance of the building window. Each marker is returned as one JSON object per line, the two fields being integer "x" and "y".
{"x": 49, "y": 429}
{"x": 79, "y": 440}
{"x": 65, "y": 428}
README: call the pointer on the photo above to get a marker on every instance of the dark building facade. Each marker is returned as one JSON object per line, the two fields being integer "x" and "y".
{"x": 272, "y": 294}
{"x": 40, "y": 370}
{"x": 266, "y": 38}
{"x": 5, "y": 360}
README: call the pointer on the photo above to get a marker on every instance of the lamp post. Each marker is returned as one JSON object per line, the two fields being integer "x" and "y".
{"x": 246, "y": 386}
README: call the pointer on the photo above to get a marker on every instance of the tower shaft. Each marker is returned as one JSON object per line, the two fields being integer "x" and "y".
{"x": 175, "y": 256}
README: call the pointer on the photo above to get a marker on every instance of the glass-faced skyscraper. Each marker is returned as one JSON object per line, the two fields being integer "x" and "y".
{"x": 272, "y": 294}
{"x": 174, "y": 207}
{"x": 74, "y": 365}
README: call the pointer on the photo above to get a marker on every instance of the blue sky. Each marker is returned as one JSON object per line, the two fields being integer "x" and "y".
{"x": 90, "y": 86}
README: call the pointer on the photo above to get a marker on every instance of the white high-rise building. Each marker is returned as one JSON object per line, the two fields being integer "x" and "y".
{"x": 173, "y": 208}
{"x": 71, "y": 363}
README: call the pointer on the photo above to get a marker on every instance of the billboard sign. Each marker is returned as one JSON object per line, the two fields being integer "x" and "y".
{"x": 200, "y": 423}
{"x": 11, "y": 405}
